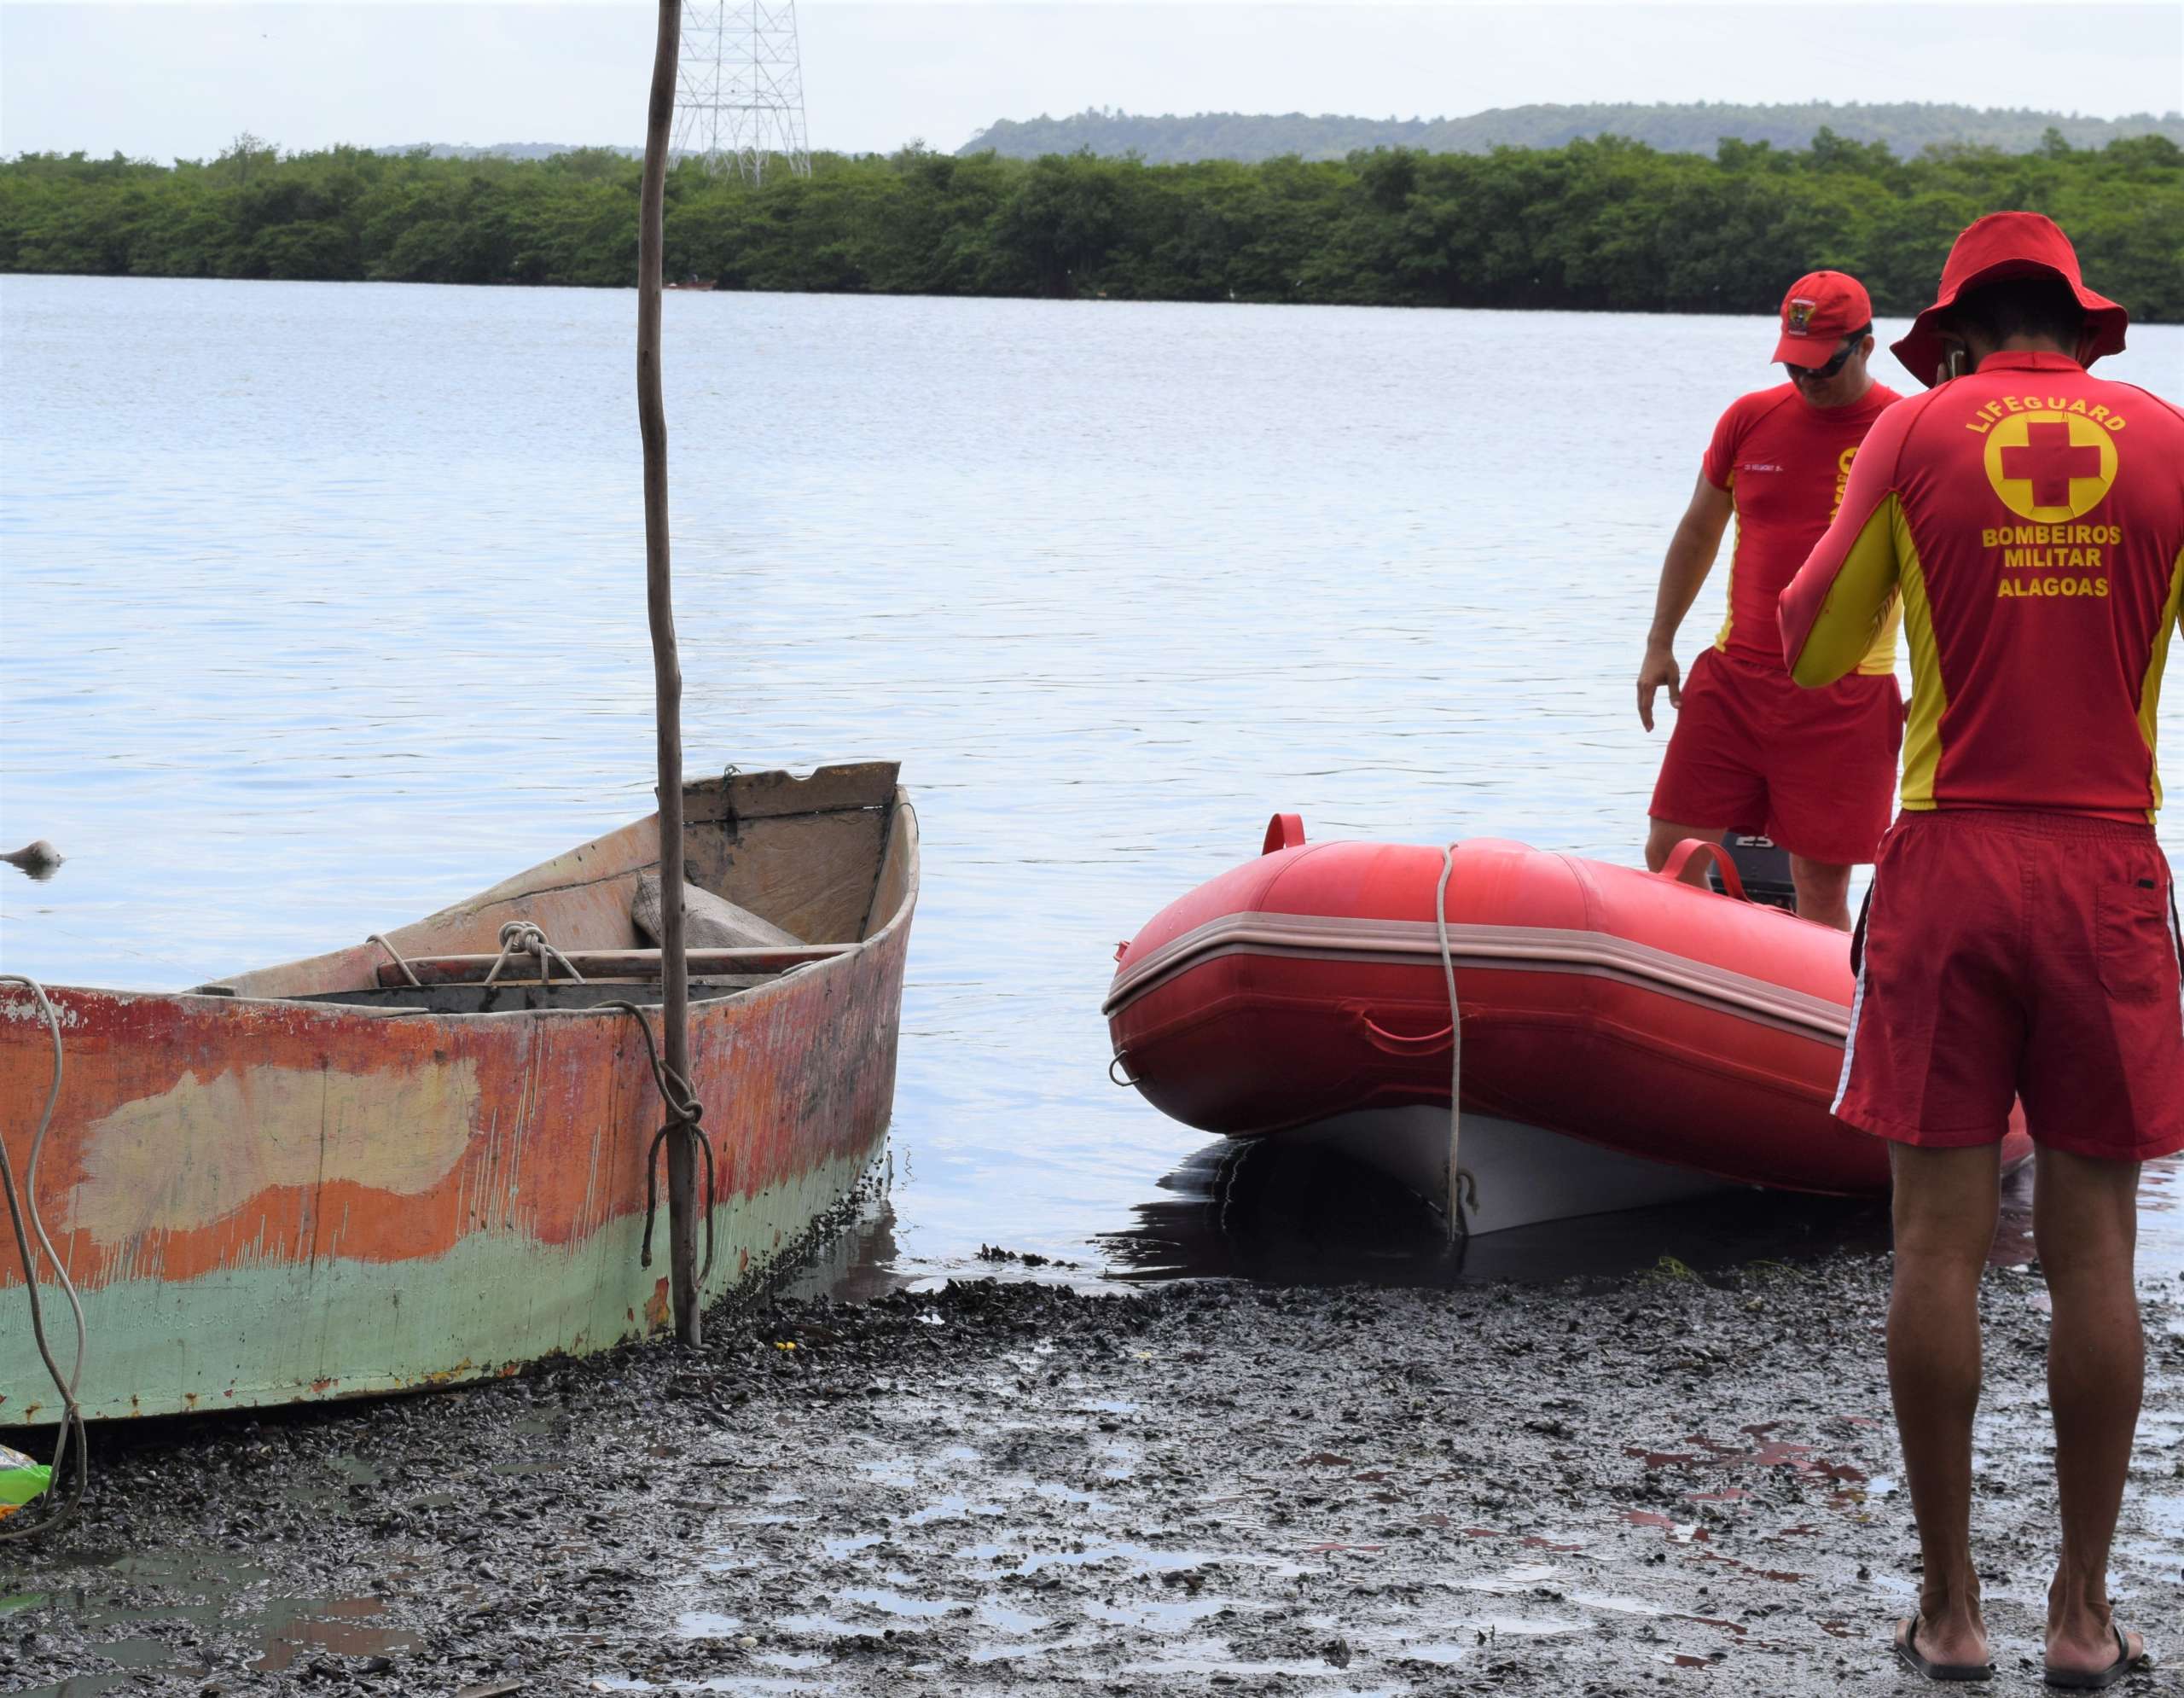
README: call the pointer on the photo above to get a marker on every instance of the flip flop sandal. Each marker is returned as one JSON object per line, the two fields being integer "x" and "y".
{"x": 1906, "y": 1651}
{"x": 2100, "y": 1679}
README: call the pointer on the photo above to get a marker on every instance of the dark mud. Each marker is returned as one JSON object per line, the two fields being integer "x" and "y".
{"x": 1653, "y": 1483}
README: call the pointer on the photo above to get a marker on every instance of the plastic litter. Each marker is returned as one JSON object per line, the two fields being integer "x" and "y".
{"x": 21, "y": 1481}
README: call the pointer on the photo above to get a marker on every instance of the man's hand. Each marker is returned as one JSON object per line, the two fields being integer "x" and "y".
{"x": 1660, "y": 671}
{"x": 1690, "y": 557}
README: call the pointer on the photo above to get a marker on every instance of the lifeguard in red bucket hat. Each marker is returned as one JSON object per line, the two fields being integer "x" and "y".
{"x": 1816, "y": 771}
{"x": 2020, "y": 940}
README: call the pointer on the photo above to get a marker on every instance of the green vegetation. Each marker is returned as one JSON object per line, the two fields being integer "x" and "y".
{"x": 1600, "y": 224}
{"x": 1906, "y": 128}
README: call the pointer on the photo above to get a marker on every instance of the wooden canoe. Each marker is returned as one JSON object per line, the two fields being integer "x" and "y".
{"x": 319, "y": 1180}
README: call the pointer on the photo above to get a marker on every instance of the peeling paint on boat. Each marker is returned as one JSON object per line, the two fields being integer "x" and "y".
{"x": 25, "y": 1008}
{"x": 269, "y": 1330}
{"x": 201, "y": 1149}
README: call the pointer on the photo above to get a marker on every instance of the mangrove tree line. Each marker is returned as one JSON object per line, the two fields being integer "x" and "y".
{"x": 1604, "y": 224}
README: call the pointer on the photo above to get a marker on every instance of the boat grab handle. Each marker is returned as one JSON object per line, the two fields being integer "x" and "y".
{"x": 1680, "y": 857}
{"x": 1397, "y": 1044}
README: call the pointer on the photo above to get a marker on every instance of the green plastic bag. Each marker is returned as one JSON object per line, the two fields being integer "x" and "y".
{"x": 21, "y": 1481}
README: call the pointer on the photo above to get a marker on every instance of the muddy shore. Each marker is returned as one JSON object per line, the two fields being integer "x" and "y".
{"x": 1604, "y": 1487}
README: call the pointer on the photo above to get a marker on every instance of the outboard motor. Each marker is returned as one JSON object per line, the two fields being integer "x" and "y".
{"x": 1763, "y": 865}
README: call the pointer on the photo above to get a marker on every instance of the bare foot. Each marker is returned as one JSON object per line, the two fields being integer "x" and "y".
{"x": 1957, "y": 1636}
{"x": 2087, "y": 1648}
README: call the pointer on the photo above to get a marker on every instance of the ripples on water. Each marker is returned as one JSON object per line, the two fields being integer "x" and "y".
{"x": 323, "y": 606}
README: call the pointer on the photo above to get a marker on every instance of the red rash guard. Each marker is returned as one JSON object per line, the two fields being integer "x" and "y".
{"x": 1784, "y": 463}
{"x": 2033, "y": 519}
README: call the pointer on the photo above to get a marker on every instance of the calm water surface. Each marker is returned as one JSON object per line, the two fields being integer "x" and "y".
{"x": 323, "y": 607}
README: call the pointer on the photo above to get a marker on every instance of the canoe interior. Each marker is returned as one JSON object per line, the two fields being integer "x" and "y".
{"x": 818, "y": 857}
{"x": 503, "y": 998}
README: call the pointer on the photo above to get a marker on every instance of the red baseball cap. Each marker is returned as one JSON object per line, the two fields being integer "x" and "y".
{"x": 1821, "y": 309}
{"x": 2009, "y": 245}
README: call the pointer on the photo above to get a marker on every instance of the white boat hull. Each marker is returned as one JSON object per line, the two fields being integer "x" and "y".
{"x": 1515, "y": 1175}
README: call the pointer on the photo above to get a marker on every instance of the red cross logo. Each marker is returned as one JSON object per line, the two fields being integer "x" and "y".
{"x": 2048, "y": 462}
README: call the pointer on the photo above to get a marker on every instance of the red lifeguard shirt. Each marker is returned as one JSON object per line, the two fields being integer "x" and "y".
{"x": 1785, "y": 463}
{"x": 2032, "y": 517}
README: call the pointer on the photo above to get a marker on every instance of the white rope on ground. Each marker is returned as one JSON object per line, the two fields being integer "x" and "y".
{"x": 72, "y": 1415}
{"x": 1459, "y": 1181}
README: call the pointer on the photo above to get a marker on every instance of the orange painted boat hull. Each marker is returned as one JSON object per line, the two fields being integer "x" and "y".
{"x": 304, "y": 1183}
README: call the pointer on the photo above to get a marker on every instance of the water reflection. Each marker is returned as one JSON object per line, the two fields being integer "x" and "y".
{"x": 1259, "y": 1211}
{"x": 137, "y": 1595}
{"x": 857, "y": 1264}
{"x": 40, "y": 861}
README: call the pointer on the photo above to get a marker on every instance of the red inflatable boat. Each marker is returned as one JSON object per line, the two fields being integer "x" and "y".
{"x": 1694, "y": 1035}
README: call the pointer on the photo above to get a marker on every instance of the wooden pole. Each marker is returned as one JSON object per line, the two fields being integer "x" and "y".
{"x": 683, "y": 1204}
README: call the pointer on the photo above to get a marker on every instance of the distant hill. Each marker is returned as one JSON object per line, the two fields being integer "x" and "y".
{"x": 1906, "y": 128}
{"x": 505, "y": 150}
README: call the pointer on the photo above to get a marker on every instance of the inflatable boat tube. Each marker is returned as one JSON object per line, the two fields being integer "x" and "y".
{"x": 1631, "y": 1011}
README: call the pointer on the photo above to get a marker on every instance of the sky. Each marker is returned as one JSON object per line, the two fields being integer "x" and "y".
{"x": 181, "y": 79}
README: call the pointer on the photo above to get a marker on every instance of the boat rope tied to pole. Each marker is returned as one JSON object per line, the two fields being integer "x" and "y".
{"x": 1462, "y": 1184}
{"x": 684, "y": 1109}
{"x": 523, "y": 937}
{"x": 408, "y": 971}
{"x": 72, "y": 1412}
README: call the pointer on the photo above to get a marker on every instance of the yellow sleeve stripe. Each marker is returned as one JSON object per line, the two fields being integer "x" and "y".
{"x": 2150, "y": 691}
{"x": 1860, "y": 597}
{"x": 1922, "y": 733}
{"x": 1880, "y": 659}
{"x": 1736, "y": 548}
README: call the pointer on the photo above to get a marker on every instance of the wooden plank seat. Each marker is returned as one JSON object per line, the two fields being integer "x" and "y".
{"x": 636, "y": 964}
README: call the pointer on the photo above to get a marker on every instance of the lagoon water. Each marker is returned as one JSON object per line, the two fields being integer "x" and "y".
{"x": 322, "y": 606}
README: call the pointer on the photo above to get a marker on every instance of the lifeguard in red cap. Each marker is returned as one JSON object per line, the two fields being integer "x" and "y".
{"x": 1816, "y": 771}
{"x": 2020, "y": 939}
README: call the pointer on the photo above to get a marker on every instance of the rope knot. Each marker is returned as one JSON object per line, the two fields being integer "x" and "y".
{"x": 683, "y": 1111}
{"x": 520, "y": 938}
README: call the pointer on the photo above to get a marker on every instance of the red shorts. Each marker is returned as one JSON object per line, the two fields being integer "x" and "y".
{"x": 2026, "y": 955}
{"x": 1814, "y": 769}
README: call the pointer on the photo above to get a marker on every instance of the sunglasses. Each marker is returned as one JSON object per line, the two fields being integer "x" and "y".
{"x": 1821, "y": 374}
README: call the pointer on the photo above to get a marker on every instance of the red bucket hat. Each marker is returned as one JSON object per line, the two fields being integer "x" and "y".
{"x": 2009, "y": 245}
{"x": 1821, "y": 309}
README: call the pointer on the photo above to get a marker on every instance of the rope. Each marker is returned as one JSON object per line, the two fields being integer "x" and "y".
{"x": 72, "y": 1415}
{"x": 1461, "y": 1180}
{"x": 408, "y": 972}
{"x": 684, "y": 1109}
{"x": 523, "y": 937}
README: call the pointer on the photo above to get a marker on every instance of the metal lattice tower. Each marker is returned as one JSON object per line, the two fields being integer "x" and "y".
{"x": 739, "y": 97}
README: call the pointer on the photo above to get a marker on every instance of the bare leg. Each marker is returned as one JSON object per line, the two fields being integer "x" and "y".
{"x": 1823, "y": 892}
{"x": 1661, "y": 842}
{"x": 2085, "y": 1221}
{"x": 1945, "y": 1207}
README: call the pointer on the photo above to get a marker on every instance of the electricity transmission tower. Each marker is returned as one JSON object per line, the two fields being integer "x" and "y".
{"x": 738, "y": 99}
